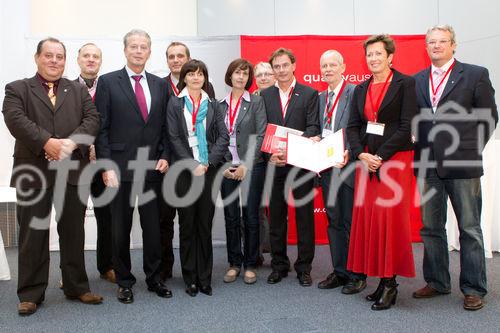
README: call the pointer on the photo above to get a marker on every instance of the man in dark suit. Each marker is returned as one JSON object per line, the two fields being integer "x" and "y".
{"x": 44, "y": 114}
{"x": 177, "y": 55}
{"x": 132, "y": 104}
{"x": 292, "y": 105}
{"x": 337, "y": 183}
{"x": 89, "y": 60}
{"x": 457, "y": 116}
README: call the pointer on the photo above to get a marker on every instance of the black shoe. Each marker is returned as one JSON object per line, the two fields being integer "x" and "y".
{"x": 192, "y": 290}
{"x": 276, "y": 276}
{"x": 207, "y": 290}
{"x": 305, "y": 279}
{"x": 125, "y": 295}
{"x": 160, "y": 289}
{"x": 377, "y": 293}
{"x": 332, "y": 281}
{"x": 387, "y": 297}
{"x": 354, "y": 287}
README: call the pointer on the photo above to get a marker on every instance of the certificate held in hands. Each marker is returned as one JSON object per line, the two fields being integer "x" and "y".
{"x": 316, "y": 156}
{"x": 276, "y": 138}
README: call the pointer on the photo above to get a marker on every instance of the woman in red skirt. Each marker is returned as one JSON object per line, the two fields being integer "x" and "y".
{"x": 379, "y": 134}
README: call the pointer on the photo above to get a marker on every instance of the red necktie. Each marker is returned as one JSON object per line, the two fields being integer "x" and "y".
{"x": 140, "y": 97}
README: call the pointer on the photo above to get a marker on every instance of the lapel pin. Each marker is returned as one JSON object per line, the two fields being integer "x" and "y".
{"x": 65, "y": 90}
{"x": 452, "y": 82}
{"x": 297, "y": 94}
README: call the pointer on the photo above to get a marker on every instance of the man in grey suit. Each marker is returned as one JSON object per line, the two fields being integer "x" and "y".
{"x": 337, "y": 183}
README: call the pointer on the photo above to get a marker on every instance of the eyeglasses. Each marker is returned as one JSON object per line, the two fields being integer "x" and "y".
{"x": 261, "y": 75}
{"x": 438, "y": 42}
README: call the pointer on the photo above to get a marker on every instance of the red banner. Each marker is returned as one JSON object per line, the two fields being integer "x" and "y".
{"x": 409, "y": 58}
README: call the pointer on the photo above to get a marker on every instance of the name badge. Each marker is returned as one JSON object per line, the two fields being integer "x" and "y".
{"x": 326, "y": 132}
{"x": 193, "y": 141}
{"x": 232, "y": 142}
{"x": 375, "y": 128}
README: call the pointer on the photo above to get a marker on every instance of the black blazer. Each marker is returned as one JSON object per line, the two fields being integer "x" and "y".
{"x": 252, "y": 120}
{"x": 470, "y": 88}
{"x": 396, "y": 111}
{"x": 123, "y": 130}
{"x": 170, "y": 90}
{"x": 302, "y": 112}
{"x": 216, "y": 131}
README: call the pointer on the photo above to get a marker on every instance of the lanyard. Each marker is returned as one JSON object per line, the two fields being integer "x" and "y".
{"x": 283, "y": 109}
{"x": 379, "y": 98}
{"x": 174, "y": 88}
{"x": 195, "y": 112}
{"x": 434, "y": 91}
{"x": 329, "y": 113}
{"x": 233, "y": 112}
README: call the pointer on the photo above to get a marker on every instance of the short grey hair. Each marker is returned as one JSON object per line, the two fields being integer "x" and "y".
{"x": 334, "y": 53}
{"x": 136, "y": 32}
{"x": 442, "y": 27}
{"x": 263, "y": 65}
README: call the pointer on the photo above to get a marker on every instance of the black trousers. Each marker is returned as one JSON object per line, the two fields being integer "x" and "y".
{"x": 121, "y": 215}
{"x": 102, "y": 214}
{"x": 33, "y": 248}
{"x": 339, "y": 214}
{"x": 195, "y": 230}
{"x": 304, "y": 217}
{"x": 167, "y": 216}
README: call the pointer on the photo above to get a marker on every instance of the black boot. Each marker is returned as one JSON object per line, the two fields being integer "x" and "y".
{"x": 388, "y": 295}
{"x": 377, "y": 293}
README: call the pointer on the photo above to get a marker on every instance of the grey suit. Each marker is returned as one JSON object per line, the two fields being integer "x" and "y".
{"x": 340, "y": 181}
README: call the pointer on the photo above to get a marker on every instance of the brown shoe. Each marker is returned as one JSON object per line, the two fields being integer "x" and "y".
{"x": 88, "y": 298}
{"x": 26, "y": 308}
{"x": 109, "y": 276}
{"x": 428, "y": 292}
{"x": 473, "y": 302}
{"x": 231, "y": 274}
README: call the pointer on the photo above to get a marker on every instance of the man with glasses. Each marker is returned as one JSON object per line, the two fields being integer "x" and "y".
{"x": 291, "y": 104}
{"x": 457, "y": 117}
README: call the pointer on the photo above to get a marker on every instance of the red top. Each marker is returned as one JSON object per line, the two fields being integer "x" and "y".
{"x": 377, "y": 91}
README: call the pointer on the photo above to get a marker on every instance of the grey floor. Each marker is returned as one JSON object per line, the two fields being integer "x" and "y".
{"x": 285, "y": 307}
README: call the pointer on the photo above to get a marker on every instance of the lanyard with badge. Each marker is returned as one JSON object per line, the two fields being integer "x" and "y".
{"x": 375, "y": 127}
{"x": 193, "y": 140}
{"x": 435, "y": 90}
{"x": 174, "y": 88}
{"x": 283, "y": 109}
{"x": 329, "y": 113}
{"x": 232, "y": 117}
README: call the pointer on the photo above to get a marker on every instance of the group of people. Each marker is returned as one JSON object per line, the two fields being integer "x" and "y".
{"x": 159, "y": 140}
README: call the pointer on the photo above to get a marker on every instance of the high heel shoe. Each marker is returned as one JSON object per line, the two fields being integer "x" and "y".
{"x": 388, "y": 296}
{"x": 377, "y": 293}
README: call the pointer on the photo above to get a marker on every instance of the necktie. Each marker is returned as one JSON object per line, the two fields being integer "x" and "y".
{"x": 51, "y": 94}
{"x": 140, "y": 97}
{"x": 327, "y": 110}
{"x": 437, "y": 76}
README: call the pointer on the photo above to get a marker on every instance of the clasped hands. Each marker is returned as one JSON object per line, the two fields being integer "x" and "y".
{"x": 236, "y": 173}
{"x": 58, "y": 149}
{"x": 371, "y": 162}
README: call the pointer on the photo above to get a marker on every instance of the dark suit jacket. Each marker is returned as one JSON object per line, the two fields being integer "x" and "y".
{"x": 470, "y": 88}
{"x": 123, "y": 130}
{"x": 32, "y": 120}
{"x": 302, "y": 112}
{"x": 216, "y": 131}
{"x": 252, "y": 120}
{"x": 210, "y": 91}
{"x": 396, "y": 111}
{"x": 341, "y": 121}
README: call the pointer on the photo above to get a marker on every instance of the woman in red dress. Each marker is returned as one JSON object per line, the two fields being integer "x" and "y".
{"x": 380, "y": 138}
